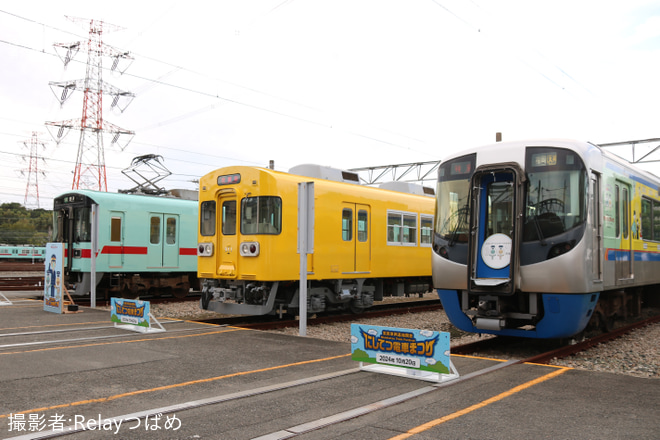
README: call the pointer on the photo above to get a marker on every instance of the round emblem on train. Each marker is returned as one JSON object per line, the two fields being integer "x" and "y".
{"x": 496, "y": 251}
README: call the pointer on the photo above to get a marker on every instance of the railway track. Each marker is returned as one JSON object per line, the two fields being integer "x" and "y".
{"x": 21, "y": 267}
{"x": 22, "y": 283}
{"x": 21, "y": 276}
{"x": 274, "y": 322}
{"x": 543, "y": 352}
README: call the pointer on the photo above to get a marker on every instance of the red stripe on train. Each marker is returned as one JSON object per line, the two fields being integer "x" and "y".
{"x": 130, "y": 250}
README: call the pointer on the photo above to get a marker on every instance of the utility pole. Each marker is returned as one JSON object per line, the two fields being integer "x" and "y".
{"x": 90, "y": 169}
{"x": 32, "y": 187}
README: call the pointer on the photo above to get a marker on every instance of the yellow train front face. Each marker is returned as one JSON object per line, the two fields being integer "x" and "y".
{"x": 368, "y": 242}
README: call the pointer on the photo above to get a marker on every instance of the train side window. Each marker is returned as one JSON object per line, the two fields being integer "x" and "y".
{"x": 154, "y": 235}
{"x": 347, "y": 224}
{"x": 647, "y": 230}
{"x": 617, "y": 212}
{"x": 363, "y": 225}
{"x": 425, "y": 230}
{"x": 115, "y": 229}
{"x": 626, "y": 213}
{"x": 207, "y": 218}
{"x": 656, "y": 221}
{"x": 401, "y": 228}
{"x": 650, "y": 220}
{"x": 170, "y": 236}
{"x": 409, "y": 229}
{"x": 393, "y": 228}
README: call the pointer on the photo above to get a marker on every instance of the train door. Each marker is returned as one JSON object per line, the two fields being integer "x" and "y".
{"x": 597, "y": 229}
{"x": 493, "y": 248}
{"x": 163, "y": 248}
{"x": 363, "y": 235}
{"x": 623, "y": 267}
{"x": 355, "y": 247}
{"x": 227, "y": 239}
{"x": 116, "y": 252}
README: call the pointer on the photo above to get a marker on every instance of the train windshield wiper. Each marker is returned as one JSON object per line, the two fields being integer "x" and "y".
{"x": 462, "y": 215}
{"x": 539, "y": 232}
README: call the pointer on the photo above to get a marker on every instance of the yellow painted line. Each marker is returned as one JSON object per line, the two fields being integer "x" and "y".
{"x": 96, "y": 344}
{"x": 441, "y": 420}
{"x": 169, "y": 387}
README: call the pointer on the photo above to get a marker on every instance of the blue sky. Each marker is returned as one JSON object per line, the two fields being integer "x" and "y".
{"x": 339, "y": 83}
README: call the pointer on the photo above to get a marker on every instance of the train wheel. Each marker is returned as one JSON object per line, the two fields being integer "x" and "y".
{"x": 357, "y": 310}
{"x": 179, "y": 292}
{"x": 605, "y": 324}
{"x": 129, "y": 293}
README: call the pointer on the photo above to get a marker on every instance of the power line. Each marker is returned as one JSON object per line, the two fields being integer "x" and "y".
{"x": 237, "y": 102}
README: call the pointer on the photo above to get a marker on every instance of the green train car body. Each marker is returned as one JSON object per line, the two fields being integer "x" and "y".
{"x": 145, "y": 244}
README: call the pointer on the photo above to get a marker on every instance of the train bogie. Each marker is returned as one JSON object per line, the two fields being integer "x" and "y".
{"x": 534, "y": 238}
{"x": 145, "y": 244}
{"x": 368, "y": 242}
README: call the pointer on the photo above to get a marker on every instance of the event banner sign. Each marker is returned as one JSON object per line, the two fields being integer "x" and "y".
{"x": 130, "y": 311}
{"x": 419, "y": 350}
{"x": 53, "y": 263}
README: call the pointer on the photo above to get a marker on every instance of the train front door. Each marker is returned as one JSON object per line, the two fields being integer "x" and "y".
{"x": 227, "y": 239}
{"x": 492, "y": 245}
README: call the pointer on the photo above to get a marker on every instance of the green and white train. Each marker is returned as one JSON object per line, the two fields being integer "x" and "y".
{"x": 145, "y": 245}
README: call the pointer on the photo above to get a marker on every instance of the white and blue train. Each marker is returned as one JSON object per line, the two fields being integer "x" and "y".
{"x": 535, "y": 239}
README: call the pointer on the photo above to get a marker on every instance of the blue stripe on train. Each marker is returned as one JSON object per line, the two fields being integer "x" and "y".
{"x": 621, "y": 255}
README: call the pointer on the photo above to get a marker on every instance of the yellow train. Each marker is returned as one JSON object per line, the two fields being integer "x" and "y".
{"x": 368, "y": 242}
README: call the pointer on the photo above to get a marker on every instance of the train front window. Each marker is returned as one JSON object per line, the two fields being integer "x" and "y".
{"x": 207, "y": 218}
{"x": 499, "y": 211}
{"x": 451, "y": 219}
{"x": 82, "y": 226}
{"x": 261, "y": 215}
{"x": 555, "y": 194}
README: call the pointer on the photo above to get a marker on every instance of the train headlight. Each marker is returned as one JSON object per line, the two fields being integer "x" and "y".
{"x": 205, "y": 249}
{"x": 249, "y": 249}
{"x": 560, "y": 249}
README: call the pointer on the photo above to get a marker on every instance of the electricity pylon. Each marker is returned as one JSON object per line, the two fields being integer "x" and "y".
{"x": 90, "y": 169}
{"x": 32, "y": 187}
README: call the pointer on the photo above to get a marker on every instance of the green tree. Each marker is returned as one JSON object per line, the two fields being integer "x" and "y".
{"x": 19, "y": 225}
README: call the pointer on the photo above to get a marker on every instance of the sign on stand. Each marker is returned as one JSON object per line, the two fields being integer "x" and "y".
{"x": 133, "y": 315}
{"x": 53, "y": 282}
{"x": 418, "y": 354}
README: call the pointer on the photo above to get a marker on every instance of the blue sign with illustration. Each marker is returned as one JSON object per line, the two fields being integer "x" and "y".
{"x": 421, "y": 350}
{"x": 53, "y": 280}
{"x": 130, "y": 311}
